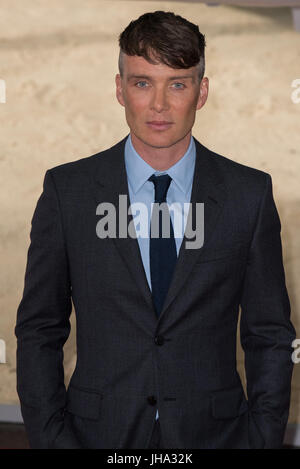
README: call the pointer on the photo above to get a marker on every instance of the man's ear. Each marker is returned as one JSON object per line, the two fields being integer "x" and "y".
{"x": 203, "y": 94}
{"x": 119, "y": 91}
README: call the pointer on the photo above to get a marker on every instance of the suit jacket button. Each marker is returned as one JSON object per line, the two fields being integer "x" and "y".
{"x": 159, "y": 340}
{"x": 151, "y": 400}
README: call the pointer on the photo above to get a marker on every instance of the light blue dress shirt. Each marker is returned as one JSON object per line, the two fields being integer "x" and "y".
{"x": 142, "y": 191}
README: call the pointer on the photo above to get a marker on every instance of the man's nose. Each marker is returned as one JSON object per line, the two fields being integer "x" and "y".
{"x": 159, "y": 101}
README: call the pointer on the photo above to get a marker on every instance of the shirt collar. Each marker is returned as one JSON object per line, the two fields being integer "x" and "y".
{"x": 138, "y": 171}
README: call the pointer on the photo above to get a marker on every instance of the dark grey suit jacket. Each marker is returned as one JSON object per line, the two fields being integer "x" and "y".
{"x": 129, "y": 362}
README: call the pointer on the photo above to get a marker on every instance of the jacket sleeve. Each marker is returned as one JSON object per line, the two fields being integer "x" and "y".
{"x": 43, "y": 326}
{"x": 265, "y": 329}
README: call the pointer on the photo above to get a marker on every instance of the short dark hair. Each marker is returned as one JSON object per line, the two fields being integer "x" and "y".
{"x": 163, "y": 37}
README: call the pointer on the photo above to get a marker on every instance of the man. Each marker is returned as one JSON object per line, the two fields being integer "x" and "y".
{"x": 156, "y": 316}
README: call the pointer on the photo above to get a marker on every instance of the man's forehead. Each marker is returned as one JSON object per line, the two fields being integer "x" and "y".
{"x": 136, "y": 66}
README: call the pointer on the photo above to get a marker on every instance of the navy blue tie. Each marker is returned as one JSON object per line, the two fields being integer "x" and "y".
{"x": 163, "y": 254}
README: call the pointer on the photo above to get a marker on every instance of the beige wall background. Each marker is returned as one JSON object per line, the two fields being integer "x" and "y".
{"x": 59, "y": 61}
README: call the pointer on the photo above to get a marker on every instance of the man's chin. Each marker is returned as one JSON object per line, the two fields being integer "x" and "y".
{"x": 160, "y": 141}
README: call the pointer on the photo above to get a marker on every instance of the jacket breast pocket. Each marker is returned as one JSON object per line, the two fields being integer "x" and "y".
{"x": 228, "y": 403}
{"x": 84, "y": 403}
{"x": 237, "y": 252}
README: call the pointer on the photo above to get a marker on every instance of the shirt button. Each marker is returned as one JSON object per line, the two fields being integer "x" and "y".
{"x": 151, "y": 400}
{"x": 159, "y": 340}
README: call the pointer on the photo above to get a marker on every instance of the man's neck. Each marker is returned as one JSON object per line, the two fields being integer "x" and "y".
{"x": 161, "y": 159}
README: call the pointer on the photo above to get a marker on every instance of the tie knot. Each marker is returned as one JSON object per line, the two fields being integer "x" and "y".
{"x": 161, "y": 185}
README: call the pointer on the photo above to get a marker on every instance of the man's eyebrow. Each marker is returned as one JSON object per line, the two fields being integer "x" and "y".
{"x": 182, "y": 77}
{"x": 130, "y": 77}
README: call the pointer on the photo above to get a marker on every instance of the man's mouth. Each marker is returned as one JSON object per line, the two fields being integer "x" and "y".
{"x": 159, "y": 125}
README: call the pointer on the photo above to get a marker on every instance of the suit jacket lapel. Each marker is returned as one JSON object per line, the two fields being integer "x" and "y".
{"x": 208, "y": 188}
{"x": 110, "y": 180}
{"x": 109, "y": 183}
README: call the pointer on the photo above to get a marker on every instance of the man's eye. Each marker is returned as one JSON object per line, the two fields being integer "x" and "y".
{"x": 141, "y": 84}
{"x": 178, "y": 86}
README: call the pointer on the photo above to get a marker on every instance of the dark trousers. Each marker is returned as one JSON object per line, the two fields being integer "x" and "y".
{"x": 155, "y": 440}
